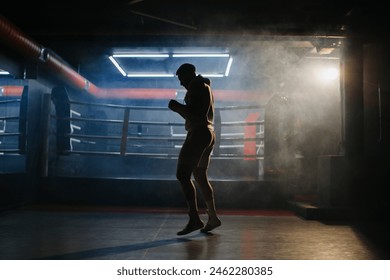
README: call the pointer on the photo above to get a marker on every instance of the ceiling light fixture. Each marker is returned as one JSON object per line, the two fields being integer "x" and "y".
{"x": 227, "y": 71}
{"x": 166, "y": 64}
{"x": 213, "y": 75}
{"x": 149, "y": 75}
{"x": 139, "y": 55}
{"x": 3, "y": 72}
{"x": 201, "y": 55}
{"x": 120, "y": 69}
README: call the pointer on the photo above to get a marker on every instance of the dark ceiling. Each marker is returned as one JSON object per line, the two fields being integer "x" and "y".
{"x": 158, "y": 17}
{"x": 85, "y": 32}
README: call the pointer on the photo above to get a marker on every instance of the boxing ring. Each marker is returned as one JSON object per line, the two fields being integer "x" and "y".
{"x": 142, "y": 134}
{"x": 131, "y": 134}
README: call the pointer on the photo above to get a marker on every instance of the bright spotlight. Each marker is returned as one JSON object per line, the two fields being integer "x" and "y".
{"x": 328, "y": 74}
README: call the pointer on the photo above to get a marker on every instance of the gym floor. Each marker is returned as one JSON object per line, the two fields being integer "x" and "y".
{"x": 98, "y": 233}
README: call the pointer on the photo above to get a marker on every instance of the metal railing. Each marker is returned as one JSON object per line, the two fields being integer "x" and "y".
{"x": 9, "y": 126}
{"x": 110, "y": 129}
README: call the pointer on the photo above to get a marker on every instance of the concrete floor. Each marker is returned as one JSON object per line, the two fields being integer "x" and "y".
{"x": 119, "y": 234}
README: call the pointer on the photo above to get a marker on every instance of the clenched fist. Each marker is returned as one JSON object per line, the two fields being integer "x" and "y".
{"x": 173, "y": 104}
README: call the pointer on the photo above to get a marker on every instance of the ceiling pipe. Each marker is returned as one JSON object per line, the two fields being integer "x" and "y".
{"x": 17, "y": 40}
{"x": 13, "y": 37}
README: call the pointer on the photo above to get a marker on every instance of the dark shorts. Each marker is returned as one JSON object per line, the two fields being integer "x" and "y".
{"x": 197, "y": 147}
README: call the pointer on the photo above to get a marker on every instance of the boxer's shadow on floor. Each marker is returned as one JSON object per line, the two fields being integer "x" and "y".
{"x": 109, "y": 251}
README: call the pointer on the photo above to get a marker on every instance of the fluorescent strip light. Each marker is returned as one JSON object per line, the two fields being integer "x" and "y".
{"x": 177, "y": 55}
{"x": 228, "y": 66}
{"x": 139, "y": 55}
{"x": 213, "y": 75}
{"x": 151, "y": 75}
{"x": 117, "y": 66}
{"x": 201, "y": 55}
{"x": 3, "y": 72}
